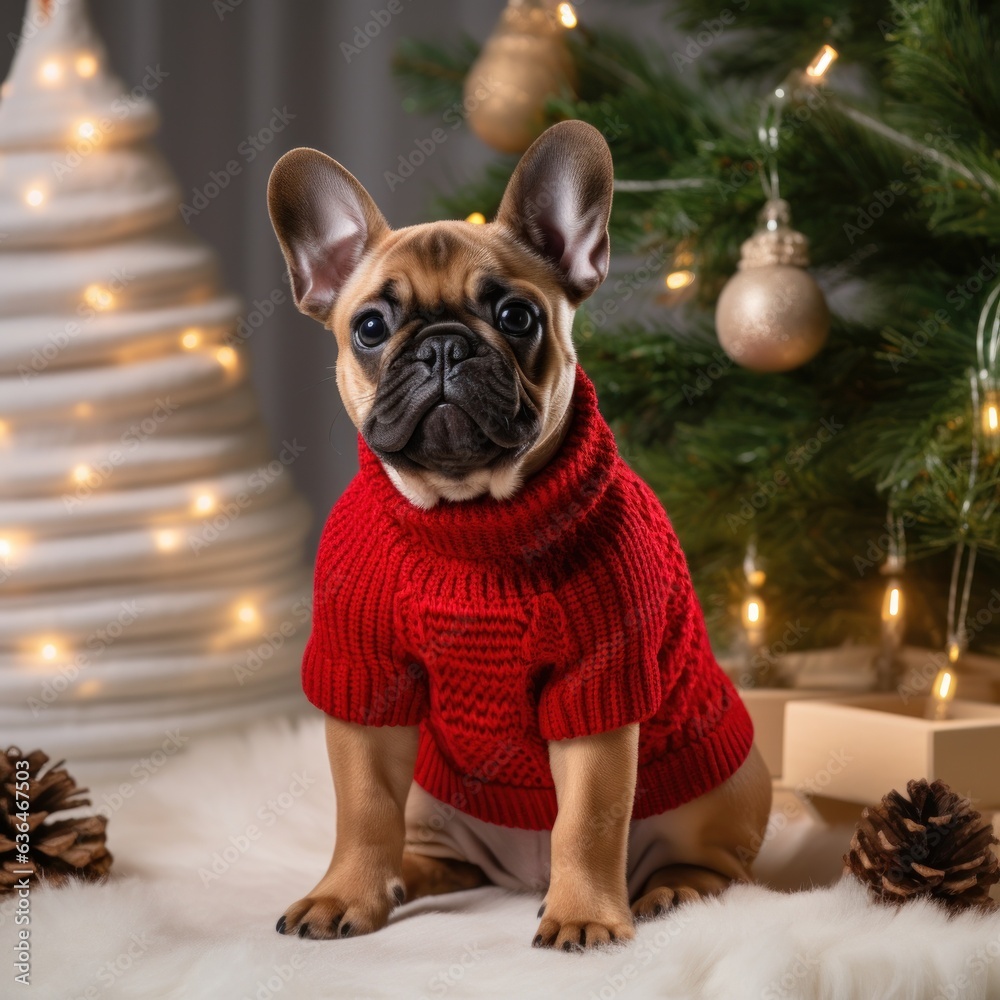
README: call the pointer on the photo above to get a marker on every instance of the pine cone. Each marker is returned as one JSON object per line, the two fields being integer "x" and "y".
{"x": 934, "y": 844}
{"x": 56, "y": 850}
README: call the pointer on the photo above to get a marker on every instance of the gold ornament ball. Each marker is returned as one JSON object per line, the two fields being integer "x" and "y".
{"x": 772, "y": 318}
{"x": 523, "y": 63}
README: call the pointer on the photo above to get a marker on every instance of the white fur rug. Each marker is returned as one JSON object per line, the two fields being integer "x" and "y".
{"x": 212, "y": 844}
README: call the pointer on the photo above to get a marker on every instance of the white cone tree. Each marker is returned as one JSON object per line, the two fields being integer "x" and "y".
{"x": 151, "y": 569}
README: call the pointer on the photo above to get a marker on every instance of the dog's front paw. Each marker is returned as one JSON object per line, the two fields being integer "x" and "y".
{"x": 326, "y": 913}
{"x": 576, "y": 924}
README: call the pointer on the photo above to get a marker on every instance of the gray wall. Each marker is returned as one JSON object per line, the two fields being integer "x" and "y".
{"x": 230, "y": 62}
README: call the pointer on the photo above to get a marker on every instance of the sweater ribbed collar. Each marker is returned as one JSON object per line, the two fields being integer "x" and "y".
{"x": 543, "y": 514}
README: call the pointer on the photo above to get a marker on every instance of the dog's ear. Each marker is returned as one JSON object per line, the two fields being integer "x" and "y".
{"x": 325, "y": 221}
{"x": 558, "y": 202}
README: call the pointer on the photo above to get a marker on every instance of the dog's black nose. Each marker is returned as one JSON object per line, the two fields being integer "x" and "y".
{"x": 443, "y": 345}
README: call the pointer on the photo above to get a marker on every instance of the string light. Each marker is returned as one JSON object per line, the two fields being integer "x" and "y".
{"x": 81, "y": 473}
{"x": 34, "y": 197}
{"x": 892, "y": 602}
{"x": 204, "y": 504}
{"x": 822, "y": 61}
{"x": 753, "y": 611}
{"x": 167, "y": 540}
{"x": 566, "y": 14}
{"x": 190, "y": 339}
{"x": 988, "y": 375}
{"x": 247, "y": 614}
{"x": 6, "y": 549}
{"x": 991, "y": 417}
{"x": 86, "y": 130}
{"x": 226, "y": 357}
{"x": 476, "y": 218}
{"x": 98, "y": 297}
{"x": 51, "y": 72}
{"x": 86, "y": 65}
{"x": 49, "y": 651}
{"x": 677, "y": 280}
{"x": 942, "y": 692}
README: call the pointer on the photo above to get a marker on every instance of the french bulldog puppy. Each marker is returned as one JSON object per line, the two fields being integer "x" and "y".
{"x": 502, "y": 611}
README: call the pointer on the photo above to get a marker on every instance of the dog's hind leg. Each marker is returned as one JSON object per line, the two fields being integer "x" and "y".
{"x": 702, "y": 847}
{"x": 675, "y": 884}
{"x": 426, "y": 876}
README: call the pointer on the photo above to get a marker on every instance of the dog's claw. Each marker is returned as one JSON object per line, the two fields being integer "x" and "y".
{"x": 304, "y": 931}
{"x": 541, "y": 911}
{"x": 398, "y": 894}
{"x": 345, "y": 930}
{"x": 537, "y": 942}
{"x": 280, "y": 925}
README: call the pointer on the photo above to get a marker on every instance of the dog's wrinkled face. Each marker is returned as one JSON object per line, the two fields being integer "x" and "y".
{"x": 455, "y": 357}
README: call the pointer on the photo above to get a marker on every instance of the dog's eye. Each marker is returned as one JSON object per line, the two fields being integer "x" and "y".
{"x": 516, "y": 319}
{"x": 371, "y": 330}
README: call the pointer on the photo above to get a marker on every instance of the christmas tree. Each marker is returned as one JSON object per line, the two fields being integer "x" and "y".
{"x": 881, "y": 123}
{"x": 152, "y": 580}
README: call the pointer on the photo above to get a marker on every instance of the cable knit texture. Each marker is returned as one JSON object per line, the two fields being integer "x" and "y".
{"x": 498, "y": 625}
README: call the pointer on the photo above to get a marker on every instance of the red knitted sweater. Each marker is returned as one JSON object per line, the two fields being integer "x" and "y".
{"x": 497, "y": 625}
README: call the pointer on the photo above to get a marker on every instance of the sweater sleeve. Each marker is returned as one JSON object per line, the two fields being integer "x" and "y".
{"x": 621, "y": 608}
{"x": 611, "y": 677}
{"x": 354, "y": 667}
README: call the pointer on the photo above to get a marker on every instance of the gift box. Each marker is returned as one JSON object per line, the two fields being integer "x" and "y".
{"x": 856, "y": 749}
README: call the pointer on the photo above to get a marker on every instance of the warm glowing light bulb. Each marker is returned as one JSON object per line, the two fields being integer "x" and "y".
{"x": 944, "y": 685}
{"x": 86, "y": 65}
{"x": 167, "y": 540}
{"x": 226, "y": 357}
{"x": 678, "y": 279}
{"x": 82, "y": 473}
{"x": 954, "y": 651}
{"x": 49, "y": 651}
{"x": 51, "y": 71}
{"x": 190, "y": 339}
{"x": 892, "y": 602}
{"x": 98, "y": 297}
{"x": 204, "y": 504}
{"x": 88, "y": 688}
{"x": 566, "y": 14}
{"x": 991, "y": 416}
{"x": 823, "y": 60}
{"x": 6, "y": 549}
{"x": 753, "y": 611}
{"x": 476, "y": 218}
{"x": 247, "y": 614}
{"x": 34, "y": 197}
{"x": 86, "y": 130}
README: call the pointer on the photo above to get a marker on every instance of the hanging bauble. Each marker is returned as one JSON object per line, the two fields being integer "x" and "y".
{"x": 771, "y": 315}
{"x": 523, "y": 63}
